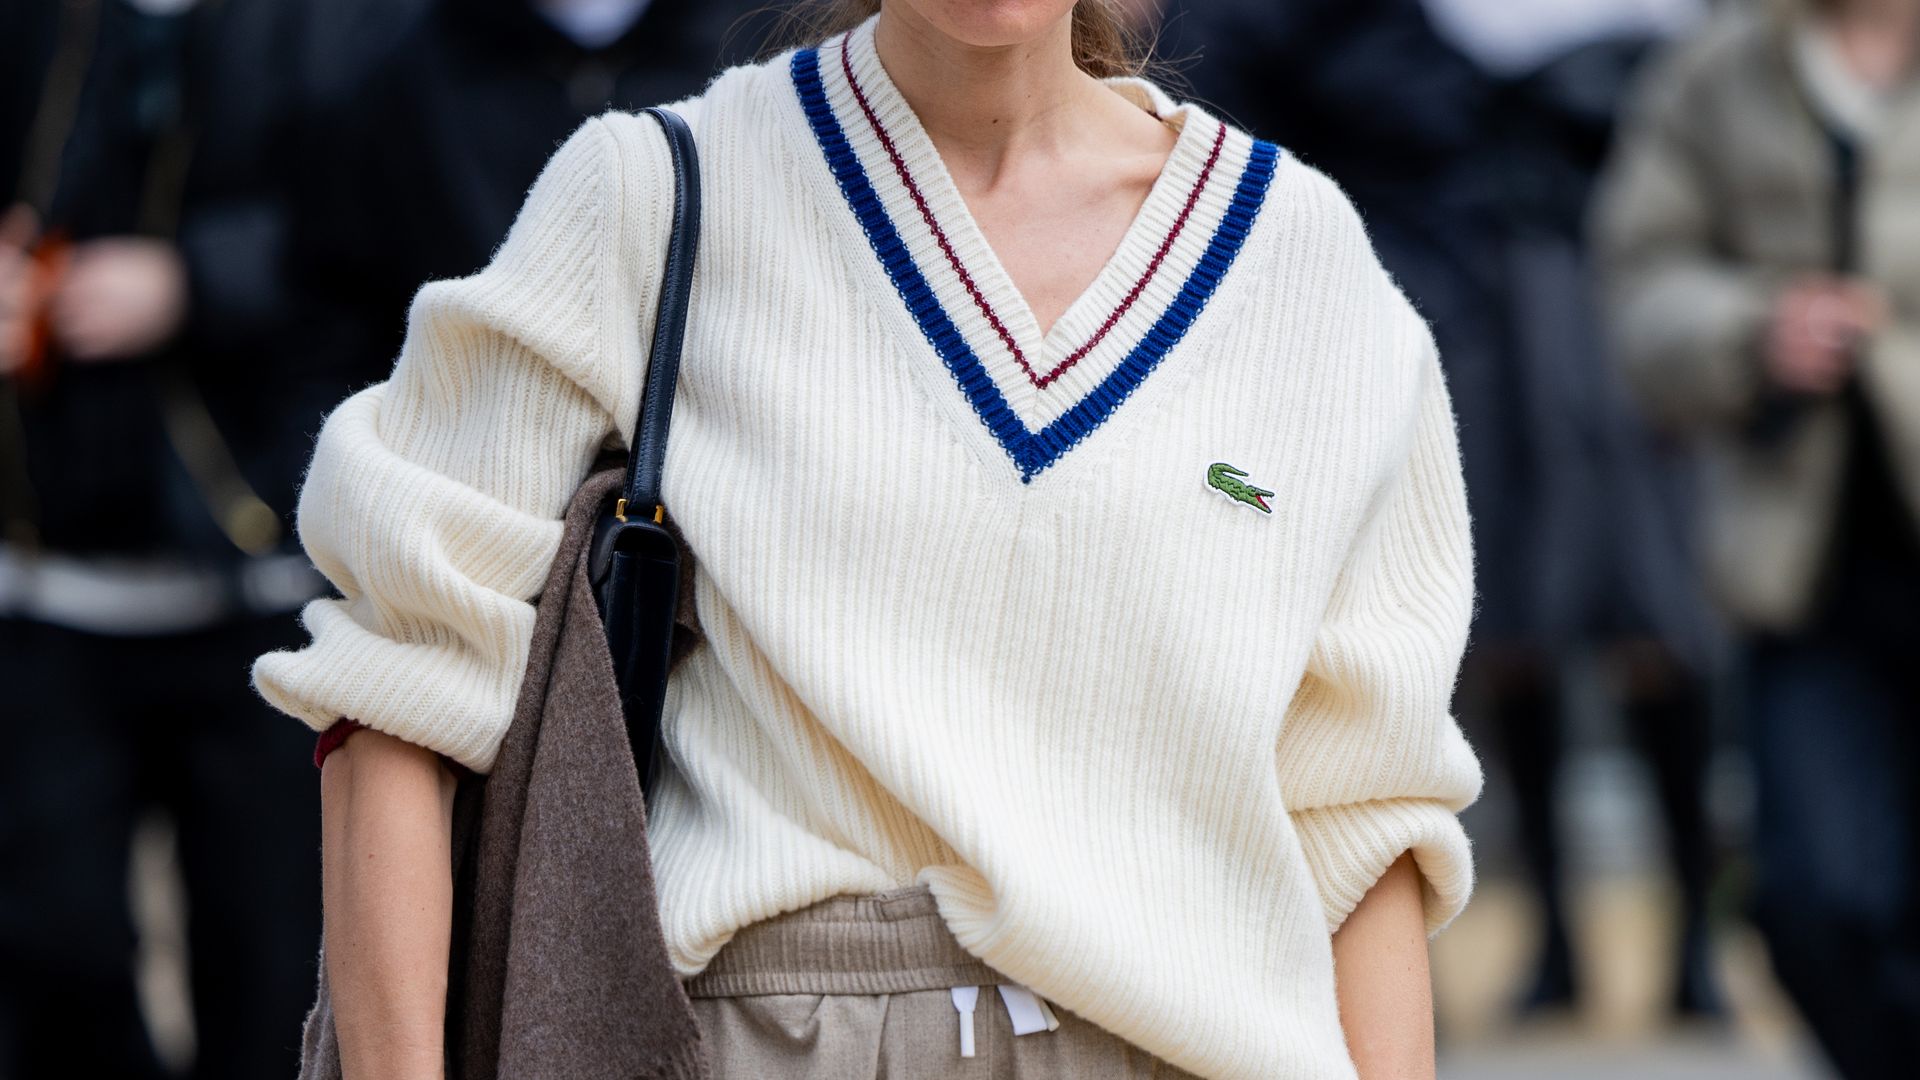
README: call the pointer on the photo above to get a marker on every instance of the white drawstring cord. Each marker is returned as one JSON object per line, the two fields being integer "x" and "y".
{"x": 964, "y": 999}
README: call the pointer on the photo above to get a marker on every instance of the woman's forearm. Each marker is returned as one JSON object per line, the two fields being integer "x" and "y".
{"x": 1383, "y": 979}
{"x": 387, "y": 883}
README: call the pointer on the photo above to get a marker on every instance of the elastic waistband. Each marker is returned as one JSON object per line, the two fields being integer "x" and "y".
{"x": 886, "y": 943}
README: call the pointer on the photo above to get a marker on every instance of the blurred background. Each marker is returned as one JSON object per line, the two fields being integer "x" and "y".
{"x": 1670, "y": 249}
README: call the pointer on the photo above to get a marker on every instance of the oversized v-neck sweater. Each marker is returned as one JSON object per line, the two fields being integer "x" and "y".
{"x": 1133, "y": 639}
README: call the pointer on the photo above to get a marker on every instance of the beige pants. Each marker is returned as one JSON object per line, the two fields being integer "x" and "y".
{"x": 861, "y": 988}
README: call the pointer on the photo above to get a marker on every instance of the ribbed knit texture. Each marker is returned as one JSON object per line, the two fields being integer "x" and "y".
{"x": 1147, "y": 744}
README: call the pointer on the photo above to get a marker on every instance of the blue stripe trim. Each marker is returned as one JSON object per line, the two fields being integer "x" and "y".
{"x": 1031, "y": 451}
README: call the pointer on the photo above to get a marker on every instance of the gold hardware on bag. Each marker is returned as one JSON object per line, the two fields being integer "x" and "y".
{"x": 620, "y": 511}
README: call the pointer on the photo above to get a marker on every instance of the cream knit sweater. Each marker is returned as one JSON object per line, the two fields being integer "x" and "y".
{"x": 1133, "y": 639}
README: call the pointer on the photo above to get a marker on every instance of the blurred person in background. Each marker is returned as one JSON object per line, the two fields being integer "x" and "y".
{"x": 1760, "y": 235}
{"x": 150, "y": 453}
{"x": 1468, "y": 134}
{"x": 416, "y": 175}
{"x": 1586, "y": 503}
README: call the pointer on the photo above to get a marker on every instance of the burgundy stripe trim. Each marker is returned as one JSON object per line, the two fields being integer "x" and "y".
{"x": 332, "y": 739}
{"x": 966, "y": 279}
{"x": 1166, "y": 245}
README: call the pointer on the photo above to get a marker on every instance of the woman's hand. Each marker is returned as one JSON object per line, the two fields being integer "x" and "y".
{"x": 387, "y": 880}
{"x": 1383, "y": 980}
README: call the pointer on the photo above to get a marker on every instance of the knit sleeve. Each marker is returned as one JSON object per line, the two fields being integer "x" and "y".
{"x": 1371, "y": 761}
{"x": 433, "y": 501}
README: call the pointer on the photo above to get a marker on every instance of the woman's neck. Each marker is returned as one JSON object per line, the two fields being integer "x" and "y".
{"x": 987, "y": 105}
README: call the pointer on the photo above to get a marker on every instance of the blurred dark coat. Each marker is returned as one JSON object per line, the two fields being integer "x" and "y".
{"x": 180, "y": 135}
{"x": 418, "y": 175}
{"x": 1607, "y": 549}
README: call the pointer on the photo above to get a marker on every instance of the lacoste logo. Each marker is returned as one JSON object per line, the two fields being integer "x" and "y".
{"x": 1223, "y": 478}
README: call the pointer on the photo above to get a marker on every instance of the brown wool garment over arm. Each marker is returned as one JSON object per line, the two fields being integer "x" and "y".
{"x": 559, "y": 967}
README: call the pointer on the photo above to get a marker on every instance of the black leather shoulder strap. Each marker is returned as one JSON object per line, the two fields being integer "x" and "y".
{"x": 670, "y": 320}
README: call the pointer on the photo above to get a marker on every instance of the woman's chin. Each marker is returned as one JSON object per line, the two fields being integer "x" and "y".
{"x": 991, "y": 24}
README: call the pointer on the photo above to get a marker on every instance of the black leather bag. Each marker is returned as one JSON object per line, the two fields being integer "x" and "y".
{"x": 635, "y": 560}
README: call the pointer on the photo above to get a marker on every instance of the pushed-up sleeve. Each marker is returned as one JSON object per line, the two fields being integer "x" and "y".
{"x": 433, "y": 501}
{"x": 1370, "y": 759}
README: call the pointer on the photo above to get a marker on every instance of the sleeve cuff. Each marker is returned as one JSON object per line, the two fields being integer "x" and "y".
{"x": 1349, "y": 846}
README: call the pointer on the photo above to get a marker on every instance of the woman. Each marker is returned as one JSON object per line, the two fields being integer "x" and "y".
{"x": 1081, "y": 554}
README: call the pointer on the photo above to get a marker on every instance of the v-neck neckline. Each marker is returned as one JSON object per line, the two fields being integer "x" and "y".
{"x": 1085, "y": 332}
{"x": 1177, "y": 249}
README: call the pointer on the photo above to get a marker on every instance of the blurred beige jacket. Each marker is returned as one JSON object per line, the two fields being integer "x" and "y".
{"x": 1720, "y": 193}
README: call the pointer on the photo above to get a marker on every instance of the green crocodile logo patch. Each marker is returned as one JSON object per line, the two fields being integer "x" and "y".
{"x": 1225, "y": 479}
